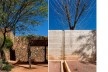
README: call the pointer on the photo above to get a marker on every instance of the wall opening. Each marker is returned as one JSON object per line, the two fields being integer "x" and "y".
{"x": 12, "y": 54}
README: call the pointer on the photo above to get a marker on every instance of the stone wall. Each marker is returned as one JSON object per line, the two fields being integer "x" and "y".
{"x": 20, "y": 45}
{"x": 38, "y": 54}
{"x": 66, "y": 44}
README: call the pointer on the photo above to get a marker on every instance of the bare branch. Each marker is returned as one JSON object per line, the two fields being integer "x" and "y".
{"x": 71, "y": 10}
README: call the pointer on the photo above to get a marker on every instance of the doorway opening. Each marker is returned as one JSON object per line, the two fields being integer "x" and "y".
{"x": 12, "y": 54}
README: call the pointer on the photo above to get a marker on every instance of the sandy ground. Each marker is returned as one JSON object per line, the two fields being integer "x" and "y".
{"x": 76, "y": 66}
{"x": 35, "y": 68}
{"x": 54, "y": 66}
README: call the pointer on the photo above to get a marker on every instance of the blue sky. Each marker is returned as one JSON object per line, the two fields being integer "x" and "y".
{"x": 86, "y": 22}
{"x": 41, "y": 30}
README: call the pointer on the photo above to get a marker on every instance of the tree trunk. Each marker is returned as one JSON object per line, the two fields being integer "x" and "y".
{"x": 4, "y": 39}
{"x": 29, "y": 56}
{"x": 3, "y": 56}
{"x": 72, "y": 28}
{"x": 1, "y": 47}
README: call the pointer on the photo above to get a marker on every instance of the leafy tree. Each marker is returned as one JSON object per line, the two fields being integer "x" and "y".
{"x": 20, "y": 14}
{"x": 8, "y": 44}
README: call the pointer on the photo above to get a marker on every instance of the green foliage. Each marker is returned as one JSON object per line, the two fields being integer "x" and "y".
{"x": 19, "y": 14}
{"x": 0, "y": 61}
{"x": 0, "y": 41}
{"x": 0, "y": 64}
{"x": 5, "y": 66}
{"x": 8, "y": 43}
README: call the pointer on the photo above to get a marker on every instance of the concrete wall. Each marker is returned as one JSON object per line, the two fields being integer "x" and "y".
{"x": 66, "y": 43}
{"x": 55, "y": 46}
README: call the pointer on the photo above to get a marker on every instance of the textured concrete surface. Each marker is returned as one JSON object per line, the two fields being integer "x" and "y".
{"x": 65, "y": 43}
{"x": 55, "y": 44}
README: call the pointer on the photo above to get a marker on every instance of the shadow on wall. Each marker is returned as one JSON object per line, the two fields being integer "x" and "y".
{"x": 87, "y": 51}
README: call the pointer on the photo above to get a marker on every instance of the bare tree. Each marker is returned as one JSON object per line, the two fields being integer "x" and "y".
{"x": 70, "y": 12}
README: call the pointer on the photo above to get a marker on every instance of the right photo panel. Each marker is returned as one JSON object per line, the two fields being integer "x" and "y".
{"x": 72, "y": 36}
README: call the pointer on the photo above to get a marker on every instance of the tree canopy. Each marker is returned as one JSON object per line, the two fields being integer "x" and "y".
{"x": 19, "y": 14}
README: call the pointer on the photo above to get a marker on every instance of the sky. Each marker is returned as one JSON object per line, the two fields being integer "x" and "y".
{"x": 41, "y": 30}
{"x": 86, "y": 22}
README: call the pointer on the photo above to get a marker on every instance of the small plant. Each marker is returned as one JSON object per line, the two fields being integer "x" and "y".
{"x": 7, "y": 67}
{"x": 0, "y": 64}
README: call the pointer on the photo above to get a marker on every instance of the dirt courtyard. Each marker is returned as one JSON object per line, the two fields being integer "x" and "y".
{"x": 76, "y": 66}
{"x": 73, "y": 66}
{"x": 35, "y": 68}
{"x": 54, "y": 66}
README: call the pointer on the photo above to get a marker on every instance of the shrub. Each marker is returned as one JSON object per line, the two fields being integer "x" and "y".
{"x": 8, "y": 43}
{"x": 7, "y": 67}
{"x": 0, "y": 64}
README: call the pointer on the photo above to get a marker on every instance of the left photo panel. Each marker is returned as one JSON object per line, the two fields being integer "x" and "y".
{"x": 24, "y": 36}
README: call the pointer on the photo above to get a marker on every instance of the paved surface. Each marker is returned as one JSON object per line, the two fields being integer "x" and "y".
{"x": 35, "y": 68}
{"x": 76, "y": 66}
{"x": 54, "y": 66}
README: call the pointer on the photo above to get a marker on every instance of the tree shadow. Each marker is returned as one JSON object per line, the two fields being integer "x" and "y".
{"x": 26, "y": 67}
{"x": 90, "y": 45}
{"x": 42, "y": 65}
{"x": 34, "y": 66}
